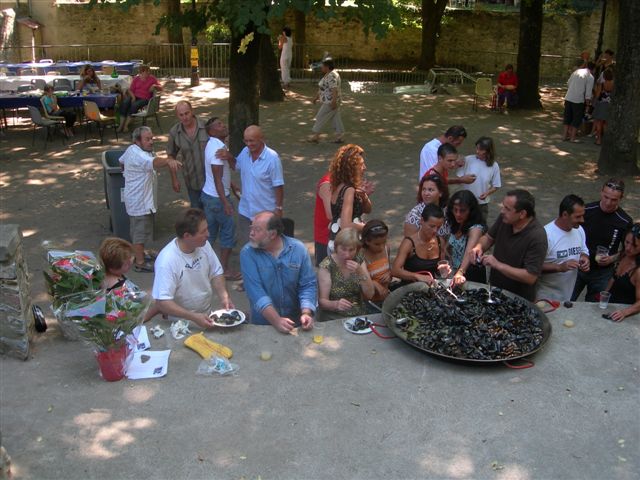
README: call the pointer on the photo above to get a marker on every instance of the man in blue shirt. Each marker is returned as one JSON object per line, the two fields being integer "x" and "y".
{"x": 278, "y": 276}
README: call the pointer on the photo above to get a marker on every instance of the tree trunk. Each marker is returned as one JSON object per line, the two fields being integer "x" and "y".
{"x": 300, "y": 38}
{"x": 432, "y": 11}
{"x": 270, "y": 88}
{"x": 529, "y": 54}
{"x": 178, "y": 58}
{"x": 243, "y": 90}
{"x": 620, "y": 153}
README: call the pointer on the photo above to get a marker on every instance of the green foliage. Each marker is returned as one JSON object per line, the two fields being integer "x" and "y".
{"x": 218, "y": 32}
{"x": 242, "y": 16}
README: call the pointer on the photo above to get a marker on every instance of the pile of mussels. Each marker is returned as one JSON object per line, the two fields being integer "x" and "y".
{"x": 470, "y": 327}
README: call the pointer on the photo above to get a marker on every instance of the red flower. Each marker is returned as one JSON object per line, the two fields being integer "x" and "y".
{"x": 122, "y": 314}
{"x": 112, "y": 318}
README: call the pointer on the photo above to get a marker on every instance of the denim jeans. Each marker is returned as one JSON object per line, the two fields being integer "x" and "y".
{"x": 194, "y": 198}
{"x": 218, "y": 221}
{"x": 595, "y": 280}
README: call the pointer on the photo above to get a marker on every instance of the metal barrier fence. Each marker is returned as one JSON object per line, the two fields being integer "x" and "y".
{"x": 173, "y": 60}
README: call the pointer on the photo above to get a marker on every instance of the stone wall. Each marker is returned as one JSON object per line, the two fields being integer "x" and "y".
{"x": 16, "y": 318}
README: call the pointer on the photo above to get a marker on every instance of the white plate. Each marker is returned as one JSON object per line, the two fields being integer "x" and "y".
{"x": 224, "y": 325}
{"x": 348, "y": 326}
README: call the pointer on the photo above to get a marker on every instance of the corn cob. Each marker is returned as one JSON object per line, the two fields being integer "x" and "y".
{"x": 205, "y": 347}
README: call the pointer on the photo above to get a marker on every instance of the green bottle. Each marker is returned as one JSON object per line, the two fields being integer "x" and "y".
{"x": 114, "y": 73}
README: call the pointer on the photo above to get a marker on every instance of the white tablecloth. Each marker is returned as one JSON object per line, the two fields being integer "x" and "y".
{"x": 12, "y": 83}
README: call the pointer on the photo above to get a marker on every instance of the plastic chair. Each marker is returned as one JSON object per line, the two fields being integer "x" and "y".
{"x": 25, "y": 88}
{"x": 53, "y": 73}
{"x": 47, "y": 124}
{"x": 45, "y": 60}
{"x": 151, "y": 109}
{"x": 484, "y": 88}
{"x": 62, "y": 84}
{"x": 92, "y": 114}
{"x": 55, "y": 118}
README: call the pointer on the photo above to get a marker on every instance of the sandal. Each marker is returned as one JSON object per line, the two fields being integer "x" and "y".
{"x": 143, "y": 267}
{"x": 233, "y": 276}
{"x": 239, "y": 287}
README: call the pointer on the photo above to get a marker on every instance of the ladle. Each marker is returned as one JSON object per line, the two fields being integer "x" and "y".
{"x": 399, "y": 321}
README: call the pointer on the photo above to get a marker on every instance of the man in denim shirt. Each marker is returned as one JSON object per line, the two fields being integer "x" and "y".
{"x": 278, "y": 276}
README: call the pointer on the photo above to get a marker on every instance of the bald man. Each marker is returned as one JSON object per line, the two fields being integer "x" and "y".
{"x": 188, "y": 138}
{"x": 262, "y": 181}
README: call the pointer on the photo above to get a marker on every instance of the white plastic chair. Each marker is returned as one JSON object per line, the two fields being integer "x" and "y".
{"x": 151, "y": 109}
{"x": 484, "y": 88}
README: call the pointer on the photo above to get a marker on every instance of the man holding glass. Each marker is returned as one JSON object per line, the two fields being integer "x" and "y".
{"x": 604, "y": 225}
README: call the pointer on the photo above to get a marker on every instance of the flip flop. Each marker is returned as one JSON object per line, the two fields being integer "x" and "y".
{"x": 239, "y": 287}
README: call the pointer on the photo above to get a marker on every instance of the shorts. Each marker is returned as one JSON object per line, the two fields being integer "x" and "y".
{"x": 218, "y": 221}
{"x": 141, "y": 228}
{"x": 573, "y": 114}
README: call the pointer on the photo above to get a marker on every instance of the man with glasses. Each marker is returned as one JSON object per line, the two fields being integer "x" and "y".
{"x": 604, "y": 224}
{"x": 278, "y": 276}
{"x": 519, "y": 246}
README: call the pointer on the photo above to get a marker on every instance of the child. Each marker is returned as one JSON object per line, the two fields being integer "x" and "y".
{"x": 376, "y": 255}
{"x": 117, "y": 256}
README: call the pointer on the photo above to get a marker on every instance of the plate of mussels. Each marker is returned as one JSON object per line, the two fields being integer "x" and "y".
{"x": 227, "y": 318}
{"x": 358, "y": 326}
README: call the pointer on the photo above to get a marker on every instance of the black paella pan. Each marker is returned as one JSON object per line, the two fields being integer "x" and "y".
{"x": 396, "y": 296}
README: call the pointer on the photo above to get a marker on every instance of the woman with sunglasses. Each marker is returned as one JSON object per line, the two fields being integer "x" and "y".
{"x": 625, "y": 284}
{"x": 349, "y": 191}
{"x": 431, "y": 191}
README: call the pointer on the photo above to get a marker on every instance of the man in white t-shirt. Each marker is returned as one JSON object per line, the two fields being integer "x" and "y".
{"x": 139, "y": 165}
{"x": 187, "y": 271}
{"x": 566, "y": 252}
{"x": 454, "y": 135}
{"x": 216, "y": 197}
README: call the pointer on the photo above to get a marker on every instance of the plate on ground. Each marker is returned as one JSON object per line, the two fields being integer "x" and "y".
{"x": 358, "y": 325}
{"x": 219, "y": 321}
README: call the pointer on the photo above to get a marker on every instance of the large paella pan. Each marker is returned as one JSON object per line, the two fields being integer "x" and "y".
{"x": 470, "y": 328}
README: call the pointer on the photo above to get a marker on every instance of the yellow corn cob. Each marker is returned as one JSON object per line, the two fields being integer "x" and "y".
{"x": 205, "y": 347}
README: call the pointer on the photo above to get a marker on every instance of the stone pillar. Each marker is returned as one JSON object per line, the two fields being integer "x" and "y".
{"x": 16, "y": 318}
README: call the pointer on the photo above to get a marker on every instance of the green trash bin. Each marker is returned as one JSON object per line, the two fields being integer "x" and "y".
{"x": 113, "y": 192}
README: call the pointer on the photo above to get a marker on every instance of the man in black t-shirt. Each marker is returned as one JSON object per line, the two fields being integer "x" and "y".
{"x": 604, "y": 225}
{"x": 519, "y": 246}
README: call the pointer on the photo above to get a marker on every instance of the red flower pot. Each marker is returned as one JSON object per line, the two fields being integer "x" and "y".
{"x": 112, "y": 363}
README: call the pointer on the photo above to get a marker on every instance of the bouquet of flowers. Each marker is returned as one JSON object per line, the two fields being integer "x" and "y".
{"x": 104, "y": 318}
{"x": 70, "y": 273}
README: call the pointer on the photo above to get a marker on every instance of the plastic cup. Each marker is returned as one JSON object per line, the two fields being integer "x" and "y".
{"x": 318, "y": 332}
{"x": 604, "y": 299}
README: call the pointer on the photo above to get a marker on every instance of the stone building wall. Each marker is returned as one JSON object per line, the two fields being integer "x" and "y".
{"x": 16, "y": 318}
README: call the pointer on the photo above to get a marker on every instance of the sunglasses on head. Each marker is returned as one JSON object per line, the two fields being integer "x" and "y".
{"x": 378, "y": 229}
{"x": 614, "y": 186}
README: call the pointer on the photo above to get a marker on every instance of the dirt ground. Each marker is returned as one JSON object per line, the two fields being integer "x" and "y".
{"x": 57, "y": 194}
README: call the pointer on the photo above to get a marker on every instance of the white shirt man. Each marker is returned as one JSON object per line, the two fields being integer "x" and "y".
{"x": 566, "y": 252}
{"x": 139, "y": 164}
{"x": 187, "y": 271}
{"x": 454, "y": 135}
{"x": 262, "y": 180}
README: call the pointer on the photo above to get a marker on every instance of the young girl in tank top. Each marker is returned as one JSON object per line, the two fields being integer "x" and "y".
{"x": 376, "y": 255}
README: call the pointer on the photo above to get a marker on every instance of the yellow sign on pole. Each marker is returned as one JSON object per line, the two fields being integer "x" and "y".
{"x": 194, "y": 56}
